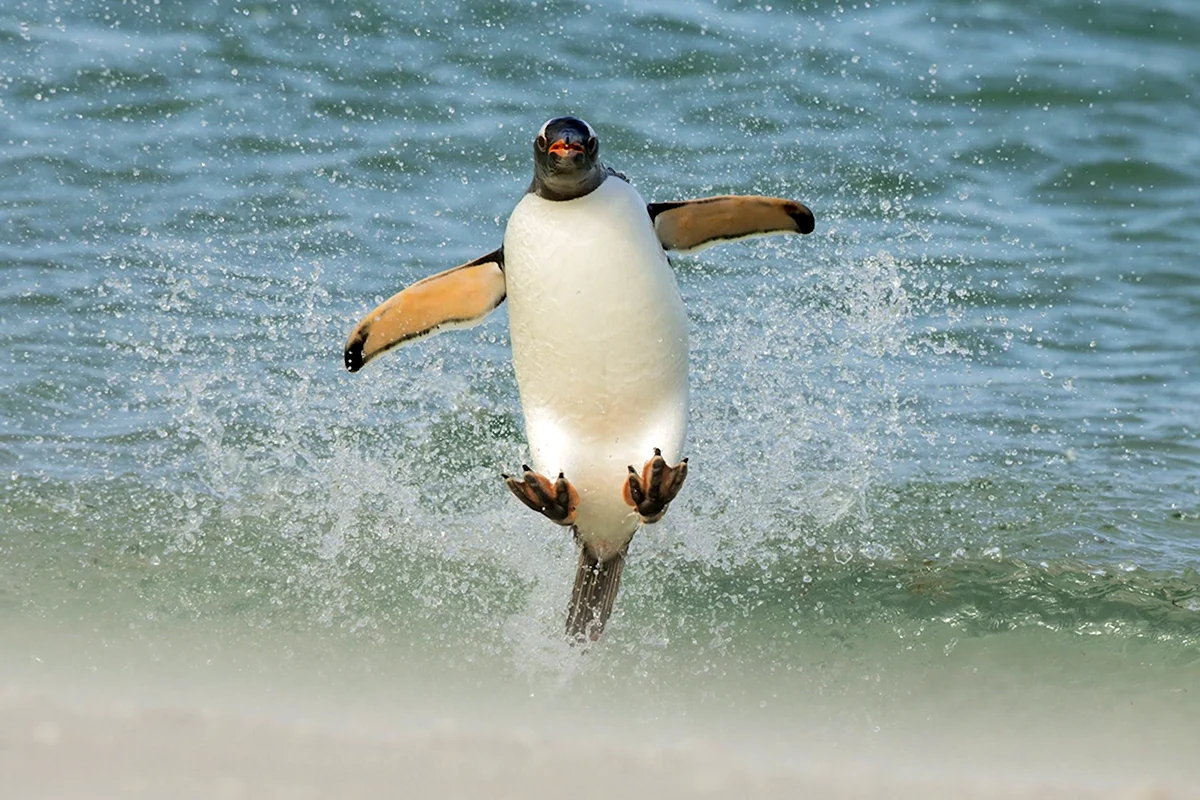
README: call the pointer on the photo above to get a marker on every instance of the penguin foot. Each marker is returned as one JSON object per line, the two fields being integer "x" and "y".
{"x": 556, "y": 501}
{"x": 652, "y": 491}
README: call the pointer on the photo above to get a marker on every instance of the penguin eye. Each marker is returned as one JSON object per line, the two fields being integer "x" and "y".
{"x": 593, "y": 144}
{"x": 541, "y": 142}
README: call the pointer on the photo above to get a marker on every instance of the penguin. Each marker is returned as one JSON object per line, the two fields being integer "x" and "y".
{"x": 599, "y": 343}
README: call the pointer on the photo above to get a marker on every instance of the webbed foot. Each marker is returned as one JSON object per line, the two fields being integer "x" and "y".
{"x": 652, "y": 491}
{"x": 556, "y": 501}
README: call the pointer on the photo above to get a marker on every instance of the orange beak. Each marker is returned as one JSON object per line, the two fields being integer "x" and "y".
{"x": 561, "y": 148}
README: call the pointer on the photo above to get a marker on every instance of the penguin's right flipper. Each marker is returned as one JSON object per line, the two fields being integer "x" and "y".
{"x": 690, "y": 225}
{"x": 457, "y": 298}
{"x": 596, "y": 585}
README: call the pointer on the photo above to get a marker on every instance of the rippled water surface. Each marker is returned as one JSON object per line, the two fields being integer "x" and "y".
{"x": 961, "y": 417}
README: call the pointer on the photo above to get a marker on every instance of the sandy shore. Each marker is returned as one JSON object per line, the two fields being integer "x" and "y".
{"x": 52, "y": 747}
{"x": 200, "y": 714}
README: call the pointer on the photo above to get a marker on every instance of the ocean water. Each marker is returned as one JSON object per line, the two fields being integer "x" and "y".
{"x": 945, "y": 451}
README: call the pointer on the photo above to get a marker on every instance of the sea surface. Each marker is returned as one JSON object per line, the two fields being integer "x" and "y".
{"x": 945, "y": 451}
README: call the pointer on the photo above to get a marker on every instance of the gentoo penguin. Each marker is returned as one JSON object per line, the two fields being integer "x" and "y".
{"x": 599, "y": 342}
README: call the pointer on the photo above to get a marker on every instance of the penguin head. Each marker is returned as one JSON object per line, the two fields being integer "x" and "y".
{"x": 566, "y": 161}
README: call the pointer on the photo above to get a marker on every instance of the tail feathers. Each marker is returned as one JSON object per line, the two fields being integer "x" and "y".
{"x": 596, "y": 585}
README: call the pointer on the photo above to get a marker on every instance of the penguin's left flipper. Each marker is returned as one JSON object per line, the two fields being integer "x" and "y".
{"x": 652, "y": 491}
{"x": 690, "y": 225}
{"x": 557, "y": 500}
{"x": 457, "y": 298}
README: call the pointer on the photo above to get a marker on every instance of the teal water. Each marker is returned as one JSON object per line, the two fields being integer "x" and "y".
{"x": 953, "y": 430}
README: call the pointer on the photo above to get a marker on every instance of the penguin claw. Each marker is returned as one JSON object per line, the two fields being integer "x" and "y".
{"x": 653, "y": 490}
{"x": 557, "y": 500}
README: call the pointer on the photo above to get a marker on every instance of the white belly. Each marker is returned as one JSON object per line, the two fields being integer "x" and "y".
{"x": 599, "y": 338}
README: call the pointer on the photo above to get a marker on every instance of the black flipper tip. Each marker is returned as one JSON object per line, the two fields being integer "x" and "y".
{"x": 353, "y": 357}
{"x": 804, "y": 219}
